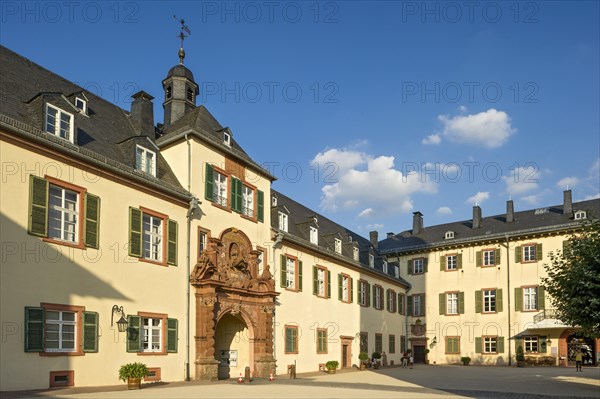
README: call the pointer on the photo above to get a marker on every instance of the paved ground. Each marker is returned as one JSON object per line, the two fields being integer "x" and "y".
{"x": 436, "y": 382}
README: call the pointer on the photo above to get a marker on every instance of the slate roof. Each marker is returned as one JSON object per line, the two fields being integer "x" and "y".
{"x": 493, "y": 227}
{"x": 299, "y": 215}
{"x": 26, "y": 86}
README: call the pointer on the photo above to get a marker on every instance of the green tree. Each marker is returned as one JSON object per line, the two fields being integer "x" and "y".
{"x": 573, "y": 280}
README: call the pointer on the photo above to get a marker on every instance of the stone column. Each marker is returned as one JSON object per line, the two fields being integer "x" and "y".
{"x": 207, "y": 367}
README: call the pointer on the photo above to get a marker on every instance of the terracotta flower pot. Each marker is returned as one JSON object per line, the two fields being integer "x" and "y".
{"x": 134, "y": 383}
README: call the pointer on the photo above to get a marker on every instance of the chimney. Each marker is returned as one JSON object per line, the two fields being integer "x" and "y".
{"x": 417, "y": 223}
{"x": 510, "y": 211}
{"x": 476, "y": 217}
{"x": 567, "y": 203}
{"x": 142, "y": 114}
{"x": 374, "y": 237}
{"x": 390, "y": 234}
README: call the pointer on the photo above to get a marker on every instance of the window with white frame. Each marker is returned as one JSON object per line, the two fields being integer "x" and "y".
{"x": 314, "y": 235}
{"x": 490, "y": 344}
{"x": 371, "y": 261}
{"x": 451, "y": 262}
{"x": 416, "y": 305}
{"x": 283, "y": 221}
{"x": 290, "y": 273}
{"x": 418, "y": 266}
{"x": 452, "y": 303}
{"x": 385, "y": 267}
{"x": 63, "y": 214}
{"x": 579, "y": 215}
{"x": 220, "y": 188}
{"x": 363, "y": 291}
{"x": 152, "y": 237}
{"x": 378, "y": 300}
{"x": 226, "y": 138}
{"x": 489, "y": 301}
{"x": 247, "y": 201}
{"x": 391, "y": 301}
{"x": 355, "y": 254}
{"x": 449, "y": 235}
{"x": 260, "y": 259}
{"x": 321, "y": 282}
{"x": 81, "y": 104}
{"x": 59, "y": 123}
{"x": 145, "y": 160}
{"x": 530, "y": 344}
{"x": 345, "y": 288}
{"x": 529, "y": 253}
{"x": 338, "y": 245}
{"x": 489, "y": 257}
{"x": 151, "y": 334}
{"x": 60, "y": 331}
{"x": 202, "y": 241}
{"x": 530, "y": 298}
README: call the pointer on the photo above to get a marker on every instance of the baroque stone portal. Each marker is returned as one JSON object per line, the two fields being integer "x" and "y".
{"x": 226, "y": 280}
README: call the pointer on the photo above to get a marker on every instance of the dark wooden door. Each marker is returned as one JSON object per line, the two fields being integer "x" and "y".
{"x": 419, "y": 354}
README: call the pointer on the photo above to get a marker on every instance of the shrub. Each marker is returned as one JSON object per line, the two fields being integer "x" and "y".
{"x": 133, "y": 370}
{"x": 332, "y": 364}
{"x": 465, "y": 360}
{"x": 376, "y": 355}
{"x": 363, "y": 356}
{"x": 520, "y": 355}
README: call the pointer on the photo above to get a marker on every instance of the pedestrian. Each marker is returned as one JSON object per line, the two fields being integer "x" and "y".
{"x": 578, "y": 360}
{"x": 404, "y": 360}
{"x": 410, "y": 361}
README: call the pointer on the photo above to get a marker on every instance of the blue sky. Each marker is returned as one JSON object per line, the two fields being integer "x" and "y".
{"x": 365, "y": 111}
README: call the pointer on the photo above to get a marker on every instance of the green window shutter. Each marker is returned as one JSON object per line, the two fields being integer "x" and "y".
{"x": 368, "y": 292}
{"x": 518, "y": 299}
{"x": 422, "y": 307}
{"x": 459, "y": 261}
{"x": 518, "y": 253}
{"x": 92, "y": 219}
{"x": 233, "y": 194}
{"x": 478, "y": 258}
{"x": 500, "y": 344}
{"x": 238, "y": 196}
{"x": 172, "y": 335}
{"x": 315, "y": 280}
{"x": 478, "y": 345}
{"x": 300, "y": 275}
{"x": 172, "y": 243}
{"x": 38, "y": 206}
{"x": 90, "y": 332}
{"x": 497, "y": 256}
{"x": 340, "y": 282}
{"x": 135, "y": 232}
{"x": 409, "y": 309}
{"x": 209, "y": 182}
{"x": 283, "y": 275}
{"x": 442, "y": 298}
{"x": 442, "y": 263}
{"x": 541, "y": 300}
{"x": 409, "y": 267}
{"x": 260, "y": 208}
{"x": 461, "y": 303}
{"x": 328, "y": 283}
{"x": 34, "y": 329}
{"x": 543, "y": 345}
{"x": 478, "y": 302}
{"x": 400, "y": 304}
{"x": 499, "y": 307}
{"x": 539, "y": 255}
{"x": 351, "y": 291}
{"x": 134, "y": 333}
{"x": 425, "y": 265}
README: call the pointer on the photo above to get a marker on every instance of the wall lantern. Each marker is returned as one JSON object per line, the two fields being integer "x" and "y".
{"x": 433, "y": 342}
{"x": 121, "y": 323}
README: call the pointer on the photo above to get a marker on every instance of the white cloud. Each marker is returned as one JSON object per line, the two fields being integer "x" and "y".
{"x": 478, "y": 198}
{"x": 443, "y": 210}
{"x": 533, "y": 199}
{"x": 366, "y": 213}
{"x": 463, "y": 109}
{"x": 490, "y": 129}
{"x": 595, "y": 169}
{"x": 522, "y": 180}
{"x": 339, "y": 159}
{"x": 567, "y": 182}
{"x": 432, "y": 139}
{"x": 371, "y": 183}
{"x": 375, "y": 226}
{"x": 591, "y": 197}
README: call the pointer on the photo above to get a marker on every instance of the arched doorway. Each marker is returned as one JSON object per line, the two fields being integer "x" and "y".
{"x": 232, "y": 344}
{"x": 577, "y": 342}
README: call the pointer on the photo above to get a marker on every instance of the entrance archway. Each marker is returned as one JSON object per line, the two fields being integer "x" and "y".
{"x": 229, "y": 288}
{"x": 577, "y": 342}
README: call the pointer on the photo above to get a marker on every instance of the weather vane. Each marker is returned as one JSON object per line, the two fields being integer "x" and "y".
{"x": 182, "y": 37}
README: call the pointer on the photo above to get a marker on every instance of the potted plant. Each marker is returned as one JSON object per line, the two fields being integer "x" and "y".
{"x": 465, "y": 360}
{"x": 427, "y": 350}
{"x": 376, "y": 356}
{"x": 363, "y": 357}
{"x": 520, "y": 357}
{"x": 331, "y": 366}
{"x": 133, "y": 374}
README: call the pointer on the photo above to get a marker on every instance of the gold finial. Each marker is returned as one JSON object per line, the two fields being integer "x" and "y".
{"x": 182, "y": 36}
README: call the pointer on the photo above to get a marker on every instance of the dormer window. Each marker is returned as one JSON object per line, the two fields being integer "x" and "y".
{"x": 273, "y": 201}
{"x": 81, "y": 104}
{"x": 226, "y": 138}
{"x": 371, "y": 261}
{"x": 580, "y": 215}
{"x": 397, "y": 271}
{"x": 168, "y": 92}
{"x": 355, "y": 254}
{"x": 449, "y": 235}
{"x": 145, "y": 160}
{"x": 338, "y": 246}
{"x": 190, "y": 94}
{"x": 59, "y": 123}
{"x": 283, "y": 221}
{"x": 314, "y": 235}
{"x": 385, "y": 267}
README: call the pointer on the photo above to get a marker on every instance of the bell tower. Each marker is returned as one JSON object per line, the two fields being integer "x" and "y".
{"x": 179, "y": 86}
